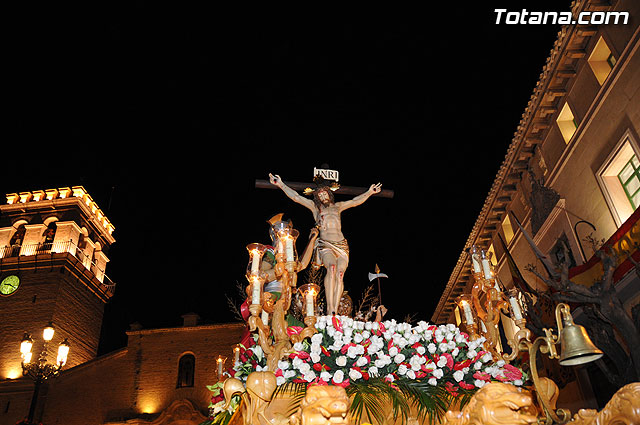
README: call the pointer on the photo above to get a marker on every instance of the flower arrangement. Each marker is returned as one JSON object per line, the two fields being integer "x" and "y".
{"x": 424, "y": 366}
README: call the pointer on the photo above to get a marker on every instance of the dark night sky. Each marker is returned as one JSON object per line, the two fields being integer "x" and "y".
{"x": 168, "y": 114}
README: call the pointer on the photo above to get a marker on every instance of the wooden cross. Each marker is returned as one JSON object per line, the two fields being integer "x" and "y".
{"x": 343, "y": 190}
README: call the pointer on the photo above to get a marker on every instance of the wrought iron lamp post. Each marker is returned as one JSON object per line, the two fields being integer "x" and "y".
{"x": 41, "y": 370}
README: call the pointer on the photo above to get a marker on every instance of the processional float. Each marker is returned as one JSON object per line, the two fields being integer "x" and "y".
{"x": 337, "y": 370}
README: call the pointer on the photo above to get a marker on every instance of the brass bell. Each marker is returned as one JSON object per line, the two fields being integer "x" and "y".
{"x": 576, "y": 346}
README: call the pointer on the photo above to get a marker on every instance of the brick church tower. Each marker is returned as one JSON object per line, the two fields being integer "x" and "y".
{"x": 53, "y": 246}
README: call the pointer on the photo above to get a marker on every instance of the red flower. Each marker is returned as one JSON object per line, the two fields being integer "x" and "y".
{"x": 462, "y": 365}
{"x": 294, "y": 330}
{"x": 483, "y": 376}
{"x": 451, "y": 389}
{"x": 449, "y": 360}
{"x": 511, "y": 372}
{"x": 465, "y": 385}
{"x": 325, "y": 351}
{"x": 303, "y": 355}
{"x": 320, "y": 367}
{"x": 337, "y": 324}
{"x": 343, "y": 384}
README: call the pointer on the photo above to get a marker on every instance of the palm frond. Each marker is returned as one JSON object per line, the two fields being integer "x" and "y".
{"x": 431, "y": 402}
{"x": 366, "y": 398}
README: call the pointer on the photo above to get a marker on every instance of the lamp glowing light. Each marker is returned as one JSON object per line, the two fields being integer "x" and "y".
{"x": 63, "y": 352}
{"x": 48, "y": 332}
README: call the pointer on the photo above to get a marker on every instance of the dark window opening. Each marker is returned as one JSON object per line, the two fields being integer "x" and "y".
{"x": 186, "y": 371}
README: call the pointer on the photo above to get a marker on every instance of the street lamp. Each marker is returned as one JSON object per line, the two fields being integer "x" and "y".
{"x": 41, "y": 370}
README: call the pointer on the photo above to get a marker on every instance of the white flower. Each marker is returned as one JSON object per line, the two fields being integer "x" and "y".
{"x": 354, "y": 374}
{"x": 443, "y": 347}
{"x": 442, "y": 362}
{"x": 432, "y": 381}
{"x": 438, "y": 373}
{"x": 393, "y": 351}
{"x": 283, "y": 365}
{"x": 321, "y": 325}
{"x": 298, "y": 346}
{"x": 317, "y": 338}
{"x": 309, "y": 376}
{"x": 402, "y": 369}
{"x": 357, "y": 338}
{"x": 431, "y": 347}
{"x": 280, "y": 380}
{"x": 341, "y": 361}
{"x": 415, "y": 363}
{"x": 257, "y": 350}
{"x": 390, "y": 378}
{"x": 458, "y": 375}
{"x": 297, "y": 362}
{"x": 304, "y": 368}
{"x": 487, "y": 357}
{"x": 352, "y": 352}
{"x": 259, "y": 368}
{"x": 373, "y": 371}
{"x": 325, "y": 376}
{"x": 479, "y": 383}
{"x": 439, "y": 337}
{"x": 477, "y": 365}
{"x": 455, "y": 351}
{"x": 367, "y": 326}
{"x": 517, "y": 382}
{"x": 421, "y": 350}
{"x": 315, "y": 357}
{"x": 361, "y": 361}
{"x": 338, "y": 376}
{"x": 451, "y": 327}
{"x": 471, "y": 354}
{"x": 500, "y": 363}
{"x": 380, "y": 363}
{"x": 411, "y": 374}
{"x": 288, "y": 374}
{"x": 399, "y": 358}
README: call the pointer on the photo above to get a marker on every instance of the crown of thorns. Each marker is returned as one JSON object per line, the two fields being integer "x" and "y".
{"x": 321, "y": 182}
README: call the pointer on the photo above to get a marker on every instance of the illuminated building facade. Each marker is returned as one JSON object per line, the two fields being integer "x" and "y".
{"x": 53, "y": 256}
{"x": 570, "y": 172}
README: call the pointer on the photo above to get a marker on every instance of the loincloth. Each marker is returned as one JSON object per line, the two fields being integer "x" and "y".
{"x": 339, "y": 248}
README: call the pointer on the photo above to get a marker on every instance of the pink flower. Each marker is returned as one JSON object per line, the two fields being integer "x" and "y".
{"x": 462, "y": 365}
{"x": 449, "y": 360}
{"x": 483, "y": 376}
{"x": 511, "y": 372}
{"x": 465, "y": 385}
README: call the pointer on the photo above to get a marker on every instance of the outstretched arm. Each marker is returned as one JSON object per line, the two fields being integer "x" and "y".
{"x": 292, "y": 194}
{"x": 358, "y": 200}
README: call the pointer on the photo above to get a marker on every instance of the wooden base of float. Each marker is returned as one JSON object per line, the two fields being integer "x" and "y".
{"x": 494, "y": 404}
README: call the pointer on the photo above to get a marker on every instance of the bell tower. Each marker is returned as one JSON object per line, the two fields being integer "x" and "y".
{"x": 53, "y": 256}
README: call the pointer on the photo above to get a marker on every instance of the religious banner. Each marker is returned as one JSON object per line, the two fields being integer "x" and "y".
{"x": 622, "y": 245}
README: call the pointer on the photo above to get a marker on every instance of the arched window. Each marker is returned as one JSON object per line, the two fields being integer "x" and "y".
{"x": 186, "y": 371}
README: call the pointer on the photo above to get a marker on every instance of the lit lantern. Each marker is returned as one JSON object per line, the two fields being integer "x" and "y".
{"x": 285, "y": 241}
{"x": 256, "y": 252}
{"x": 236, "y": 355}
{"x": 464, "y": 303}
{"x": 63, "y": 352}
{"x": 48, "y": 332}
{"x": 309, "y": 292}
{"x": 514, "y": 302}
{"x": 25, "y": 347}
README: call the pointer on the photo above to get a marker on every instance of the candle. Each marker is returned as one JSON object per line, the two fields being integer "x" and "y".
{"x": 265, "y": 318}
{"x": 236, "y": 355}
{"x": 289, "y": 249}
{"x": 255, "y": 262}
{"x": 486, "y": 267}
{"x": 309, "y": 300}
{"x": 467, "y": 313}
{"x": 517, "y": 314}
{"x": 474, "y": 260}
{"x": 255, "y": 294}
{"x": 220, "y": 361}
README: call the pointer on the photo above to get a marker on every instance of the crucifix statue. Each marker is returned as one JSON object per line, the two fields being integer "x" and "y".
{"x": 332, "y": 249}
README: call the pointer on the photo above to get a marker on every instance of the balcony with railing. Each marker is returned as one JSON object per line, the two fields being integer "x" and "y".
{"x": 25, "y": 250}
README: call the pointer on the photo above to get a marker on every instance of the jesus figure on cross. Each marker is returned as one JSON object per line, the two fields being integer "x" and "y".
{"x": 331, "y": 245}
